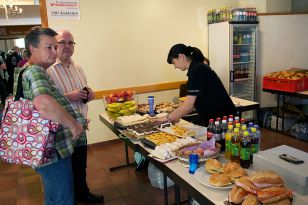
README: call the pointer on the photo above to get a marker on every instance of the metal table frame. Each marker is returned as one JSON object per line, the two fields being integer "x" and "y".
{"x": 303, "y": 95}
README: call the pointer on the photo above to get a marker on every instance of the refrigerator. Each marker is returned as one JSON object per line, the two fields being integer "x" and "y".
{"x": 232, "y": 55}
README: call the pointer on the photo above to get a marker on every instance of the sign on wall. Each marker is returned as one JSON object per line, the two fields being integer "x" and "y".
{"x": 63, "y": 9}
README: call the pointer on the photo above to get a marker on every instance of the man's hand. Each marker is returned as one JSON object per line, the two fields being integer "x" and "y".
{"x": 91, "y": 95}
{"x": 76, "y": 95}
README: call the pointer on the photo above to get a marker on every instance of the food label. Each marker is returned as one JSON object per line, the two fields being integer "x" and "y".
{"x": 209, "y": 135}
{"x": 235, "y": 150}
{"x": 245, "y": 154}
{"x": 255, "y": 148}
{"x": 228, "y": 145}
{"x": 217, "y": 137}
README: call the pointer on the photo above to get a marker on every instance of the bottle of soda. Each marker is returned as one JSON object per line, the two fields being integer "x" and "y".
{"x": 237, "y": 125}
{"x": 250, "y": 125}
{"x": 254, "y": 143}
{"x": 235, "y": 146}
{"x": 224, "y": 128}
{"x": 242, "y": 121}
{"x": 242, "y": 130}
{"x": 245, "y": 150}
{"x": 210, "y": 129}
{"x": 258, "y": 135}
{"x": 217, "y": 134}
{"x": 230, "y": 119}
{"x": 229, "y": 134}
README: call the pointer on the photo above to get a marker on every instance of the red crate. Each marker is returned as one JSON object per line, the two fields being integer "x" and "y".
{"x": 285, "y": 84}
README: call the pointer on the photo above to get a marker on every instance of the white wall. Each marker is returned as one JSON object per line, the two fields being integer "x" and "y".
{"x": 283, "y": 44}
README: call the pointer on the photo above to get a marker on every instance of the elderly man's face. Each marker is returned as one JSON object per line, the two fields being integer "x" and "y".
{"x": 66, "y": 45}
{"x": 45, "y": 54}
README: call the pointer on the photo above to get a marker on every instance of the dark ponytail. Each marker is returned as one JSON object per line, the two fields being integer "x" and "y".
{"x": 191, "y": 52}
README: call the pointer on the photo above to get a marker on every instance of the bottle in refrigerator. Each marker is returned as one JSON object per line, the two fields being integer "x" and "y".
{"x": 235, "y": 146}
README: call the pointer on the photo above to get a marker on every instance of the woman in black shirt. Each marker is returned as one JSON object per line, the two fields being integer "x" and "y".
{"x": 206, "y": 92}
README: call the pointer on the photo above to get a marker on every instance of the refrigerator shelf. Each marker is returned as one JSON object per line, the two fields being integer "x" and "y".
{"x": 237, "y": 63}
{"x": 242, "y": 44}
{"x": 241, "y": 79}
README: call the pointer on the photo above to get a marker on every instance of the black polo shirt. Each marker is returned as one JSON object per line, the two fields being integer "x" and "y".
{"x": 212, "y": 98}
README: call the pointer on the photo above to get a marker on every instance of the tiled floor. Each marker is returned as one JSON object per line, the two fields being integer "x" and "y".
{"x": 21, "y": 185}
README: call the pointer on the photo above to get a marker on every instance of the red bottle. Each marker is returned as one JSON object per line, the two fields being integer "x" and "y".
{"x": 210, "y": 129}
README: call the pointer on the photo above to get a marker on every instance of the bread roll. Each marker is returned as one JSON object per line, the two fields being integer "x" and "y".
{"x": 245, "y": 183}
{"x": 230, "y": 167}
{"x": 281, "y": 202}
{"x": 213, "y": 166}
{"x": 219, "y": 180}
{"x": 237, "y": 195}
{"x": 237, "y": 173}
{"x": 250, "y": 199}
{"x": 264, "y": 179}
{"x": 273, "y": 194}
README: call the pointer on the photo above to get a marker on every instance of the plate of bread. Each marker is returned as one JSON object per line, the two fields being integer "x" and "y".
{"x": 217, "y": 175}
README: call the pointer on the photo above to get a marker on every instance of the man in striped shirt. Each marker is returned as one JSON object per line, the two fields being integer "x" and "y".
{"x": 71, "y": 80}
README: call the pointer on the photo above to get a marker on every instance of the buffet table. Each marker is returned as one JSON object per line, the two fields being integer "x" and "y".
{"x": 180, "y": 175}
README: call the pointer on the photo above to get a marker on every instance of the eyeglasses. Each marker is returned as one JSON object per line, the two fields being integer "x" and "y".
{"x": 64, "y": 43}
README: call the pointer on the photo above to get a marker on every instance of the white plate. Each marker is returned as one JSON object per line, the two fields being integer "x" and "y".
{"x": 203, "y": 177}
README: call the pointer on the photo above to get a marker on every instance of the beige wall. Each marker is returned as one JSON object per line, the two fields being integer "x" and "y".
{"x": 125, "y": 43}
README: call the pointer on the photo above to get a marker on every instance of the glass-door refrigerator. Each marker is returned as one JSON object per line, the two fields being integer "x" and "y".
{"x": 232, "y": 55}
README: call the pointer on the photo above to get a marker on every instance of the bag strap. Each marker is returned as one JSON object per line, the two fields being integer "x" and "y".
{"x": 19, "y": 90}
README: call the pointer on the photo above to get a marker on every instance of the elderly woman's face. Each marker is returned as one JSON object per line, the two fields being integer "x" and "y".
{"x": 45, "y": 54}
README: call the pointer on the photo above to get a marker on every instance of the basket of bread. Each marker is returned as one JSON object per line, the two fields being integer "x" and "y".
{"x": 293, "y": 80}
{"x": 206, "y": 150}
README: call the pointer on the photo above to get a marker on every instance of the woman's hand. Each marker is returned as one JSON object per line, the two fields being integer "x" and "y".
{"x": 76, "y": 130}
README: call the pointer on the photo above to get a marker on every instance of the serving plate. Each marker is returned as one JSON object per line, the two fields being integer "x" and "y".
{"x": 203, "y": 177}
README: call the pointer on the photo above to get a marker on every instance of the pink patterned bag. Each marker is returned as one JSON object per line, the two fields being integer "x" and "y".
{"x": 26, "y": 137}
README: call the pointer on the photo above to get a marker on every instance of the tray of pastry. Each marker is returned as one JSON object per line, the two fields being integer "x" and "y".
{"x": 177, "y": 130}
{"x": 139, "y": 131}
{"x": 158, "y": 139}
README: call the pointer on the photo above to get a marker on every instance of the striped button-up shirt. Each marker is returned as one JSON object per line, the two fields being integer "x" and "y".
{"x": 69, "y": 79}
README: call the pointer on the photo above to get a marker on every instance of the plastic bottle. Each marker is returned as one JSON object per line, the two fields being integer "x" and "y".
{"x": 258, "y": 135}
{"x": 224, "y": 129}
{"x": 235, "y": 146}
{"x": 229, "y": 134}
{"x": 245, "y": 150}
{"x": 250, "y": 125}
{"x": 210, "y": 129}
{"x": 217, "y": 134}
